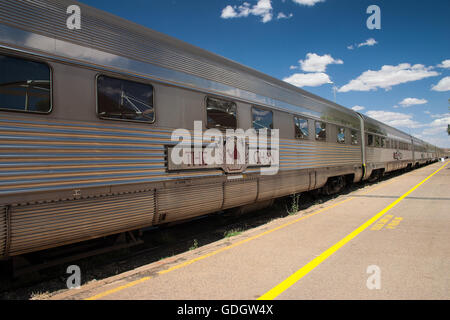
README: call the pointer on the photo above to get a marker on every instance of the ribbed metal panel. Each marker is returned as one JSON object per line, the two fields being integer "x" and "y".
{"x": 378, "y": 155}
{"x": 301, "y": 154}
{"x": 52, "y": 155}
{"x": 282, "y": 185}
{"x": 37, "y": 227}
{"x": 186, "y": 202}
{"x": 238, "y": 193}
{"x": 3, "y": 231}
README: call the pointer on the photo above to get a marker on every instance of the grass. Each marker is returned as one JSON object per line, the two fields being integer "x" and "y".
{"x": 194, "y": 245}
{"x": 232, "y": 233}
{"x": 295, "y": 204}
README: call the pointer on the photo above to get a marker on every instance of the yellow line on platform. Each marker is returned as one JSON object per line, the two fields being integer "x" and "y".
{"x": 184, "y": 264}
{"x": 291, "y": 280}
{"x": 108, "y": 292}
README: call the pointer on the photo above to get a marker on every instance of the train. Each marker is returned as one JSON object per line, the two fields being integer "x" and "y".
{"x": 86, "y": 124}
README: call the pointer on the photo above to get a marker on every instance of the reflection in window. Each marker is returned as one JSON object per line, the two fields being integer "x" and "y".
{"x": 383, "y": 142}
{"x": 301, "y": 128}
{"x": 24, "y": 85}
{"x": 125, "y": 100}
{"x": 370, "y": 140}
{"x": 262, "y": 119}
{"x": 321, "y": 131}
{"x": 341, "y": 135}
{"x": 377, "y": 141}
{"x": 221, "y": 114}
{"x": 354, "y": 137}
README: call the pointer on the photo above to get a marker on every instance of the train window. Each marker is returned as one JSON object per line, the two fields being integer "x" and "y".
{"x": 377, "y": 141}
{"x": 262, "y": 119}
{"x": 221, "y": 114}
{"x": 120, "y": 99}
{"x": 383, "y": 142}
{"x": 321, "y": 131}
{"x": 301, "y": 128}
{"x": 354, "y": 134}
{"x": 370, "y": 140}
{"x": 24, "y": 85}
{"x": 388, "y": 143}
{"x": 341, "y": 135}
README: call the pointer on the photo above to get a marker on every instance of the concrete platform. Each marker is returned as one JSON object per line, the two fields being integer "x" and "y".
{"x": 357, "y": 246}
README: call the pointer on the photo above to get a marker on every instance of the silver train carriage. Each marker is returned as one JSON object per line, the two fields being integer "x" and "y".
{"x": 86, "y": 118}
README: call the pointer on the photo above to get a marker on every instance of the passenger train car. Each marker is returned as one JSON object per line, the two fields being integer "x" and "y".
{"x": 86, "y": 118}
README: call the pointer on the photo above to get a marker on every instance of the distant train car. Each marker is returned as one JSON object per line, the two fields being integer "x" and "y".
{"x": 87, "y": 116}
{"x": 385, "y": 149}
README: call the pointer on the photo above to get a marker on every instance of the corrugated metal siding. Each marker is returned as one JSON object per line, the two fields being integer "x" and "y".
{"x": 378, "y": 155}
{"x": 283, "y": 185}
{"x": 238, "y": 193}
{"x": 38, "y": 155}
{"x": 301, "y": 154}
{"x": 3, "y": 231}
{"x": 187, "y": 202}
{"x": 52, "y": 155}
{"x": 49, "y": 225}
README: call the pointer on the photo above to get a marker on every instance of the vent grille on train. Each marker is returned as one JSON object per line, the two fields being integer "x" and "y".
{"x": 42, "y": 226}
{"x": 3, "y": 230}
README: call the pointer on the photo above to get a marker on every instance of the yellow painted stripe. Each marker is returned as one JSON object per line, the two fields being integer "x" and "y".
{"x": 184, "y": 264}
{"x": 189, "y": 262}
{"x": 286, "y": 284}
{"x": 130, "y": 284}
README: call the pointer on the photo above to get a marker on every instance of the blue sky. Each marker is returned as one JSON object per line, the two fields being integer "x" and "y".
{"x": 399, "y": 74}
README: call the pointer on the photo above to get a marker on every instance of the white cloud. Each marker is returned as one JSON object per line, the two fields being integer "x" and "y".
{"x": 439, "y": 116}
{"x": 441, "y": 122}
{"x": 358, "y": 108}
{"x": 369, "y": 42}
{"x": 308, "y": 79}
{"x": 437, "y": 126}
{"x": 316, "y": 63}
{"x": 407, "y": 102}
{"x": 394, "y": 119}
{"x": 388, "y": 76}
{"x": 309, "y": 3}
{"x": 281, "y": 15}
{"x": 293, "y": 67}
{"x": 228, "y": 12}
{"x": 436, "y": 131}
{"x": 443, "y": 85}
{"x": 445, "y": 64}
{"x": 263, "y": 8}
